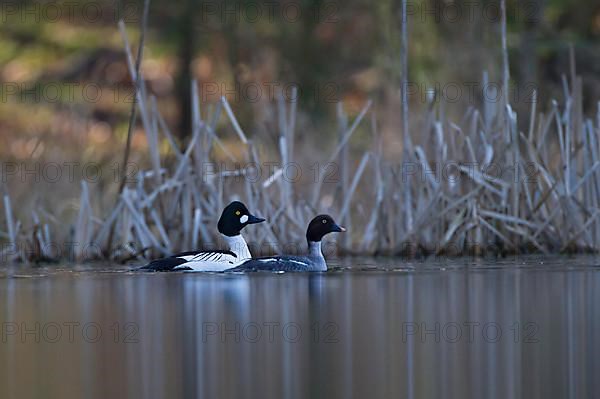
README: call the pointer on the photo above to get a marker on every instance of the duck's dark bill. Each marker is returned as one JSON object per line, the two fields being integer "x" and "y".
{"x": 253, "y": 219}
{"x": 339, "y": 229}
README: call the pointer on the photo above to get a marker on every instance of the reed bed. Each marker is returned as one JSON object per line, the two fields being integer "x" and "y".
{"x": 474, "y": 186}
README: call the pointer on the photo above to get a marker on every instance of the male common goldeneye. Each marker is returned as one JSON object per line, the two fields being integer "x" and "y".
{"x": 313, "y": 262}
{"x": 234, "y": 218}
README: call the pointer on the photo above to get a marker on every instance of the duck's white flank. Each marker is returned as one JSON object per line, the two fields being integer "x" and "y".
{"x": 216, "y": 261}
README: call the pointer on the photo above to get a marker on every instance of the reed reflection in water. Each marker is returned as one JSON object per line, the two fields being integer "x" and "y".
{"x": 480, "y": 332}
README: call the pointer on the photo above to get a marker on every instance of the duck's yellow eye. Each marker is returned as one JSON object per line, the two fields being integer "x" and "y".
{"x": 238, "y": 213}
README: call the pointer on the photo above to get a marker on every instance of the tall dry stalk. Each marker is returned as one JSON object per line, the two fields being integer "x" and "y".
{"x": 137, "y": 80}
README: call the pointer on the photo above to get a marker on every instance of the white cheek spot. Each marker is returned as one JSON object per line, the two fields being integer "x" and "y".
{"x": 244, "y": 219}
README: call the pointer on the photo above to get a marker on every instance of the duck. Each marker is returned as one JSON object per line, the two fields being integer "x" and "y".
{"x": 320, "y": 226}
{"x": 234, "y": 218}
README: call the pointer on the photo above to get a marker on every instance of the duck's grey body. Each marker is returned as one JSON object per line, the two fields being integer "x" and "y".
{"x": 313, "y": 262}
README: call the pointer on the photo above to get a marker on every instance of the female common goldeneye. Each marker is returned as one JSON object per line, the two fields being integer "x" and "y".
{"x": 313, "y": 262}
{"x": 234, "y": 218}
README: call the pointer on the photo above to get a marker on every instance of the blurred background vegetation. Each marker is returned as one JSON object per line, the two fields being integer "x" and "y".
{"x": 66, "y": 90}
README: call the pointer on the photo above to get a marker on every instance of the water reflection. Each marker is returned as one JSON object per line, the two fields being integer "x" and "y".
{"x": 493, "y": 332}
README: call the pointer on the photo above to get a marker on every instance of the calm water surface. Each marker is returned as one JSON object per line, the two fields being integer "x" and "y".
{"x": 515, "y": 328}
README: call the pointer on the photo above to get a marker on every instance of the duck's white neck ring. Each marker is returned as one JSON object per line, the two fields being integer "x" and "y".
{"x": 238, "y": 246}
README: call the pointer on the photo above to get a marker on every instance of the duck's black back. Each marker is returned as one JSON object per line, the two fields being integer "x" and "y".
{"x": 163, "y": 265}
